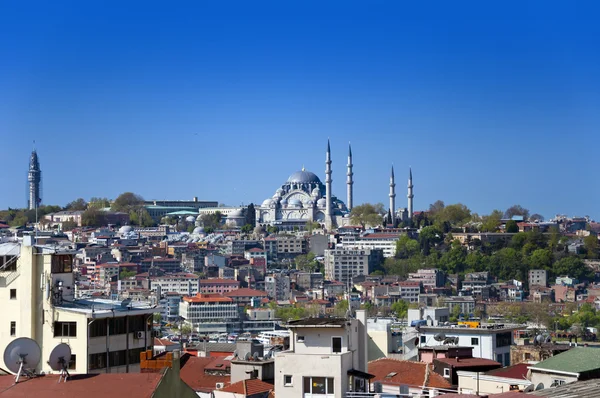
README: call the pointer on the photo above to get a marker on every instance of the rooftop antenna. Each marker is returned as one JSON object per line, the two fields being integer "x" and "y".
{"x": 21, "y": 357}
{"x": 59, "y": 360}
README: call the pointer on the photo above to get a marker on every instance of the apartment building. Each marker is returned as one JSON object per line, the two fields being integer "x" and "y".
{"x": 280, "y": 247}
{"x": 180, "y": 283}
{"x": 210, "y": 313}
{"x": 165, "y": 263}
{"x": 327, "y": 358}
{"x": 218, "y": 286}
{"x": 381, "y": 241}
{"x": 37, "y": 297}
{"x": 277, "y": 286}
{"x": 430, "y": 278}
{"x": 342, "y": 265}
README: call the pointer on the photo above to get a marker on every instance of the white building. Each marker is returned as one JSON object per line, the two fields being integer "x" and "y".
{"x": 277, "y": 286}
{"x": 208, "y": 313}
{"x": 489, "y": 341}
{"x": 180, "y": 283}
{"x": 327, "y": 358}
{"x": 382, "y": 241}
{"x": 342, "y": 264}
{"x": 38, "y": 301}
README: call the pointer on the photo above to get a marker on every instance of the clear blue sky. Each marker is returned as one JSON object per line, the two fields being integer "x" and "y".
{"x": 491, "y": 104}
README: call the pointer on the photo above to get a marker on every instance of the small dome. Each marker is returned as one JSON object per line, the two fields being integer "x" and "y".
{"x": 316, "y": 192}
{"x": 198, "y": 231}
{"x": 125, "y": 229}
{"x": 236, "y": 214}
{"x": 304, "y": 177}
{"x": 267, "y": 203}
{"x": 190, "y": 219}
{"x": 295, "y": 203}
{"x": 279, "y": 193}
{"x": 322, "y": 202}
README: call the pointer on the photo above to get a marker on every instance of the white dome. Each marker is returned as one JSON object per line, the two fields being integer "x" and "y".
{"x": 322, "y": 202}
{"x": 198, "y": 231}
{"x": 267, "y": 203}
{"x": 190, "y": 219}
{"x": 236, "y": 214}
{"x": 295, "y": 203}
{"x": 125, "y": 229}
{"x": 316, "y": 192}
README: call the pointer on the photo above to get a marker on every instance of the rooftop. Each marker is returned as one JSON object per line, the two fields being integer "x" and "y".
{"x": 114, "y": 385}
{"x": 246, "y": 292}
{"x": 397, "y": 372}
{"x": 468, "y": 362}
{"x": 192, "y": 373}
{"x": 575, "y": 360}
{"x": 207, "y": 298}
{"x": 219, "y": 281}
{"x": 103, "y": 308}
{"x": 249, "y": 387}
{"x": 518, "y": 371}
{"x": 318, "y": 323}
{"x": 588, "y": 388}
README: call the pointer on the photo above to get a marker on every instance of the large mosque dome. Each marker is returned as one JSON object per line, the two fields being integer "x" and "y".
{"x": 304, "y": 177}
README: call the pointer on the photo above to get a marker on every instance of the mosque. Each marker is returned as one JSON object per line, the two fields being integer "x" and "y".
{"x": 304, "y": 198}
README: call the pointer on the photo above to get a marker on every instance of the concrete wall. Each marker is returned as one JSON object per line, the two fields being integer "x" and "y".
{"x": 546, "y": 379}
{"x": 300, "y": 366}
{"x": 468, "y": 384}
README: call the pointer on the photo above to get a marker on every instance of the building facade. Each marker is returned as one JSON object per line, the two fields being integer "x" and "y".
{"x": 342, "y": 264}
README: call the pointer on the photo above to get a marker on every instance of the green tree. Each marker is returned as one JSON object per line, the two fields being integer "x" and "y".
{"x": 127, "y": 202}
{"x": 491, "y": 222}
{"x": 127, "y": 274}
{"x": 251, "y": 216}
{"x": 512, "y": 227}
{"x": 246, "y": 229}
{"x": 435, "y": 208}
{"x": 157, "y": 318}
{"x": 212, "y": 220}
{"x": 68, "y": 225}
{"x": 516, "y": 210}
{"x": 141, "y": 217}
{"x": 428, "y": 237}
{"x": 77, "y": 204}
{"x": 400, "y": 309}
{"x": 455, "y": 313}
{"x": 406, "y": 247}
{"x": 456, "y": 214}
{"x": 536, "y": 218}
{"x": 541, "y": 259}
{"x": 93, "y": 217}
{"x": 186, "y": 329}
{"x": 311, "y": 226}
{"x": 306, "y": 262}
{"x": 367, "y": 214}
{"x": 99, "y": 203}
{"x": 573, "y": 267}
{"x": 590, "y": 243}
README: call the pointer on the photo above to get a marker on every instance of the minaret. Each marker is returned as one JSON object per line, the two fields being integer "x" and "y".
{"x": 393, "y": 198}
{"x": 410, "y": 195}
{"x": 34, "y": 177}
{"x": 328, "y": 217}
{"x": 350, "y": 182}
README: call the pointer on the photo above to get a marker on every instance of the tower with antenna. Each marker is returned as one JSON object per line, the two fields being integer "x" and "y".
{"x": 34, "y": 179}
{"x": 350, "y": 181}
{"x": 393, "y": 197}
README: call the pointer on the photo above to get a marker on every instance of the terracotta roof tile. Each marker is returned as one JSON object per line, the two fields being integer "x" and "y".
{"x": 114, "y": 385}
{"x": 246, "y": 292}
{"x": 468, "y": 362}
{"x": 518, "y": 371}
{"x": 207, "y": 298}
{"x": 249, "y": 387}
{"x": 192, "y": 373}
{"x": 405, "y": 372}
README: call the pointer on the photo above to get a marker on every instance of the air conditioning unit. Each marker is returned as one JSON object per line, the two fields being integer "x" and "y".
{"x": 219, "y": 385}
{"x": 139, "y": 335}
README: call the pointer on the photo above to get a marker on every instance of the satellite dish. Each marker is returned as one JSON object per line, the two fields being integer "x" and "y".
{"x": 456, "y": 340}
{"x": 21, "y": 357}
{"x": 255, "y": 356}
{"x": 439, "y": 337}
{"x": 235, "y": 354}
{"x": 59, "y": 360}
{"x": 247, "y": 356}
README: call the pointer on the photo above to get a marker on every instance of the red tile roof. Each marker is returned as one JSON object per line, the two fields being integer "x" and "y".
{"x": 518, "y": 371}
{"x": 207, "y": 298}
{"x": 405, "y": 372}
{"x": 163, "y": 342}
{"x": 114, "y": 385}
{"x": 246, "y": 292}
{"x": 192, "y": 373}
{"x": 249, "y": 387}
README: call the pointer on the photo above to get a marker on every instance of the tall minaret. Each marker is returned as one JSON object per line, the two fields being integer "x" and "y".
{"x": 34, "y": 178}
{"x": 350, "y": 182}
{"x": 410, "y": 195}
{"x": 328, "y": 217}
{"x": 393, "y": 197}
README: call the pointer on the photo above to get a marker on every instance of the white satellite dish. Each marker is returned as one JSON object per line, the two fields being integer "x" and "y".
{"x": 59, "y": 360}
{"x": 21, "y": 357}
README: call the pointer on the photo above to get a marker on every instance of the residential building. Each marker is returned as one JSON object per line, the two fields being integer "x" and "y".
{"x": 181, "y": 283}
{"x": 527, "y": 352}
{"x": 394, "y": 377}
{"x": 371, "y": 240}
{"x": 277, "y": 286}
{"x": 308, "y": 280}
{"x": 64, "y": 216}
{"x": 430, "y": 278}
{"x": 210, "y": 313}
{"x": 466, "y": 304}
{"x": 342, "y": 265}
{"x": 538, "y": 277}
{"x": 383, "y": 340}
{"x": 218, "y": 286}
{"x": 489, "y": 341}
{"x": 169, "y": 306}
{"x": 511, "y": 378}
{"x": 279, "y": 247}
{"x": 246, "y": 296}
{"x": 474, "y": 282}
{"x": 167, "y": 264}
{"x": 448, "y": 367}
{"x": 566, "y": 281}
{"x": 578, "y": 363}
{"x": 327, "y": 357}
{"x": 105, "y": 336}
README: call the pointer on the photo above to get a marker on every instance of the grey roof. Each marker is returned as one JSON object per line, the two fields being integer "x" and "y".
{"x": 579, "y": 389}
{"x": 220, "y": 347}
{"x": 318, "y": 322}
{"x": 304, "y": 177}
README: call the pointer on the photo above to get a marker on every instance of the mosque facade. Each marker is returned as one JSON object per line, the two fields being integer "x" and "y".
{"x": 305, "y": 198}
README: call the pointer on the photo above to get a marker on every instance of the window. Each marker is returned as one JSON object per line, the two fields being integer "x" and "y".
{"x": 65, "y": 329}
{"x": 423, "y": 339}
{"x": 13, "y": 294}
{"x": 336, "y": 345}
{"x": 474, "y": 340}
{"x": 318, "y": 385}
{"x": 446, "y": 372}
{"x": 503, "y": 340}
{"x": 300, "y": 339}
{"x": 73, "y": 362}
{"x": 287, "y": 380}
{"x": 62, "y": 263}
{"x": 13, "y": 328}
{"x": 557, "y": 382}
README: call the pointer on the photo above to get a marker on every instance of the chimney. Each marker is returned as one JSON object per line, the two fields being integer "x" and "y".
{"x": 457, "y": 358}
